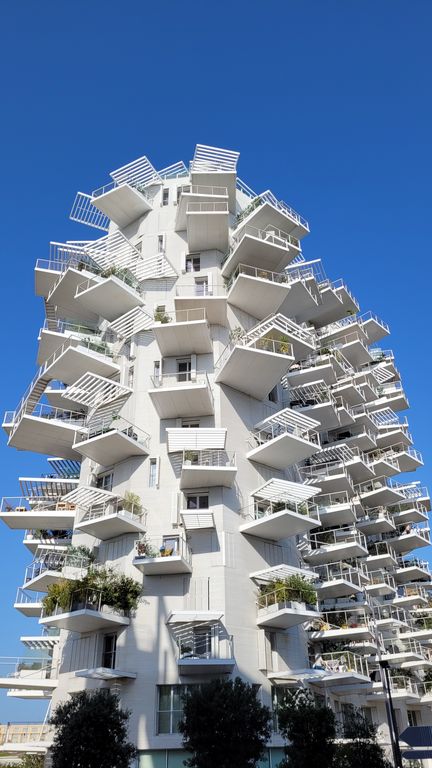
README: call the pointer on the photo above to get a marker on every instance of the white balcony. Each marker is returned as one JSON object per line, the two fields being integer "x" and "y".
{"x": 29, "y": 603}
{"x": 375, "y": 328}
{"x": 28, "y": 674}
{"x": 207, "y": 468}
{"x": 389, "y": 617}
{"x": 47, "y": 430}
{"x": 317, "y": 401}
{"x": 408, "y": 512}
{"x": 111, "y": 517}
{"x": 381, "y": 554}
{"x": 122, "y": 203}
{"x": 283, "y": 439}
{"x": 356, "y": 437}
{"x": 276, "y": 520}
{"x": 215, "y": 166}
{"x": 166, "y": 555}
{"x": 337, "y": 544}
{"x": 268, "y": 249}
{"x": 52, "y": 567}
{"x": 182, "y": 395}
{"x": 109, "y": 297}
{"x": 412, "y": 596}
{"x": 111, "y": 439}
{"x": 412, "y": 569}
{"x": 265, "y": 211}
{"x": 254, "y": 366}
{"x": 41, "y": 513}
{"x": 333, "y": 478}
{"x": 47, "y": 272}
{"x": 384, "y": 463}
{"x": 340, "y": 579}
{"x": 195, "y": 438}
{"x": 352, "y": 346}
{"x": 196, "y": 193}
{"x": 281, "y": 609}
{"x": 375, "y": 521}
{"x": 198, "y": 295}
{"x": 407, "y": 458}
{"x": 63, "y": 295}
{"x": 25, "y": 738}
{"x": 327, "y": 366}
{"x": 207, "y": 226}
{"x": 381, "y": 583}
{"x": 54, "y": 333}
{"x": 197, "y": 519}
{"x": 349, "y": 389}
{"x": 342, "y": 668}
{"x": 409, "y": 537}
{"x": 46, "y": 538}
{"x": 86, "y": 613}
{"x": 336, "y": 509}
{"x": 339, "y": 329}
{"x": 183, "y": 332}
{"x": 258, "y": 292}
{"x": 378, "y": 493}
{"x": 205, "y": 650}
{"x": 352, "y": 626}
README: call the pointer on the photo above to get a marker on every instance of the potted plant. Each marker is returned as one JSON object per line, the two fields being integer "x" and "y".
{"x": 161, "y": 316}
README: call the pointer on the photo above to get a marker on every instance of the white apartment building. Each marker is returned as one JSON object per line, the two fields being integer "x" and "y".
{"x": 218, "y": 416}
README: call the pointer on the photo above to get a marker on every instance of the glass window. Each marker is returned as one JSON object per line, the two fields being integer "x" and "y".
{"x": 193, "y": 263}
{"x": 201, "y": 287}
{"x": 197, "y": 501}
{"x": 154, "y": 758}
{"x": 109, "y": 651}
{"x": 412, "y": 717}
{"x": 153, "y": 473}
{"x": 170, "y": 707}
{"x": 190, "y": 423}
{"x": 105, "y": 481}
{"x": 161, "y": 243}
{"x": 165, "y": 196}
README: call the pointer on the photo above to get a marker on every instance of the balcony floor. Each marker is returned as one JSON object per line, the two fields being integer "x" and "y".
{"x": 282, "y": 617}
{"x": 253, "y": 371}
{"x": 182, "y": 401}
{"x": 162, "y": 566}
{"x": 110, "y": 526}
{"x": 57, "y": 520}
{"x": 122, "y": 204}
{"x": 201, "y": 476}
{"x": 201, "y": 666}
{"x": 282, "y": 451}
{"x": 280, "y": 525}
{"x": 85, "y": 620}
{"x": 110, "y": 298}
{"x": 29, "y": 682}
{"x": 257, "y": 296}
{"x": 51, "y": 437}
{"x": 183, "y": 338}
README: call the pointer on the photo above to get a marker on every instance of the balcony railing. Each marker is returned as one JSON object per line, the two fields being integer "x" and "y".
{"x": 401, "y": 683}
{"x": 356, "y": 574}
{"x": 399, "y": 645}
{"x": 167, "y": 546}
{"x": 180, "y": 316}
{"x": 201, "y": 289}
{"x": 22, "y": 504}
{"x": 202, "y": 643}
{"x": 413, "y": 529}
{"x": 413, "y": 562}
{"x": 81, "y": 600}
{"x": 269, "y": 235}
{"x": 353, "y": 619}
{"x": 343, "y": 341}
{"x": 378, "y": 548}
{"x": 209, "y": 457}
{"x": 283, "y": 597}
{"x": 264, "y": 345}
{"x": 280, "y": 205}
{"x": 261, "y": 509}
{"x": 27, "y": 597}
{"x": 27, "y": 667}
{"x": 202, "y": 189}
{"x": 340, "y": 662}
{"x": 103, "y": 424}
{"x": 25, "y": 733}
{"x": 280, "y": 278}
{"x": 181, "y": 379}
{"x": 333, "y": 536}
{"x": 43, "y": 411}
{"x": 207, "y": 208}
{"x": 262, "y": 436}
{"x": 324, "y": 357}
{"x": 134, "y": 511}
{"x": 381, "y": 576}
{"x": 55, "y": 561}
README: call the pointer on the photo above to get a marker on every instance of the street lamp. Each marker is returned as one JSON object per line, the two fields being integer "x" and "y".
{"x": 391, "y": 716}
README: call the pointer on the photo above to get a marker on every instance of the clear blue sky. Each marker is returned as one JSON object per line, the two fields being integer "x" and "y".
{"x": 328, "y": 102}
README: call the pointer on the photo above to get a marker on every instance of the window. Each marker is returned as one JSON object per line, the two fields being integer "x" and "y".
{"x": 201, "y": 287}
{"x": 170, "y": 707}
{"x": 193, "y": 263}
{"x": 165, "y": 196}
{"x": 131, "y": 376}
{"x": 180, "y": 190}
{"x": 161, "y": 243}
{"x": 197, "y": 501}
{"x": 153, "y": 473}
{"x": 170, "y": 545}
{"x": 184, "y": 368}
{"x": 273, "y": 395}
{"x": 412, "y": 717}
{"x": 105, "y": 481}
{"x": 190, "y": 423}
{"x": 109, "y": 651}
{"x": 156, "y": 369}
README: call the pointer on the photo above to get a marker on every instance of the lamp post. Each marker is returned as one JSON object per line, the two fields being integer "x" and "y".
{"x": 391, "y": 715}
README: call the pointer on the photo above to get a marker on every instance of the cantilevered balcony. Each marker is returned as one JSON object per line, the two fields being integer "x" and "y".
{"x": 336, "y": 509}
{"x": 381, "y": 554}
{"x": 356, "y": 463}
{"x": 207, "y": 226}
{"x": 51, "y": 567}
{"x": 277, "y": 520}
{"x": 333, "y": 544}
{"x": 207, "y": 468}
{"x": 182, "y": 332}
{"x": 195, "y": 438}
{"x": 265, "y": 353}
{"x": 42, "y": 513}
{"x": 109, "y": 439}
{"x": 340, "y": 328}
{"x": 202, "y": 295}
{"x": 420, "y": 629}
{"x": 215, "y": 166}
{"x": 267, "y": 248}
{"x": 265, "y": 210}
{"x": 54, "y": 333}
{"x": 47, "y": 539}
{"x": 196, "y": 193}
{"x": 109, "y": 517}
{"x": 407, "y": 458}
{"x": 317, "y": 401}
{"x": 260, "y": 292}
{"x": 356, "y": 436}
{"x": 408, "y": 537}
{"x": 86, "y": 613}
{"x": 375, "y": 328}
{"x": 380, "y": 583}
{"x": 282, "y": 609}
{"x": 110, "y": 297}
{"x": 352, "y": 625}
{"x": 122, "y": 203}
{"x": 384, "y": 462}
{"x": 412, "y": 596}
{"x": 26, "y": 738}
{"x": 390, "y": 617}
{"x": 376, "y": 520}
{"x": 333, "y": 478}
{"x": 29, "y": 603}
{"x": 63, "y": 294}
{"x": 378, "y": 492}
{"x": 29, "y": 674}
{"x": 205, "y": 649}
{"x": 415, "y": 492}
{"x": 324, "y": 365}
{"x": 340, "y": 579}
{"x": 351, "y": 345}
{"x": 283, "y": 439}
{"x": 182, "y": 395}
{"x": 411, "y": 569}
{"x": 408, "y": 512}
{"x": 162, "y": 556}
{"x": 46, "y": 430}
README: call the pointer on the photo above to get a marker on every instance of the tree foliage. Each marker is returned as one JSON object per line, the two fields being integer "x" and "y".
{"x": 27, "y": 761}
{"x": 116, "y": 590}
{"x": 310, "y": 730}
{"x": 361, "y": 750}
{"x": 91, "y": 731}
{"x": 224, "y": 725}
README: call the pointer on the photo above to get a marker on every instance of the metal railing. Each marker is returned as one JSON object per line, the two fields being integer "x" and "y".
{"x": 324, "y": 357}
{"x": 263, "y": 344}
{"x": 131, "y": 509}
{"x": 48, "y": 536}
{"x": 207, "y": 208}
{"x": 36, "y": 504}
{"x": 180, "y": 316}
{"x": 402, "y": 683}
{"x": 284, "y": 597}
{"x": 166, "y": 546}
{"x": 269, "y": 234}
{"x": 81, "y": 600}
{"x": 101, "y": 425}
{"x": 375, "y": 484}
{"x": 202, "y": 189}
{"x": 181, "y": 379}
{"x": 338, "y": 662}
{"x": 68, "y": 326}
{"x": 343, "y": 341}
{"x": 260, "y": 509}
{"x": 27, "y": 667}
{"x": 398, "y": 645}
{"x": 377, "y": 548}
{"x": 25, "y": 733}
{"x": 322, "y": 472}
{"x": 336, "y": 536}
{"x": 203, "y": 643}
{"x": 329, "y": 501}
{"x": 390, "y": 612}
{"x": 261, "y": 436}
{"x": 201, "y": 289}
{"x": 25, "y": 597}
{"x": 381, "y": 576}
{"x": 114, "y": 185}
{"x": 413, "y": 562}
{"x": 280, "y": 278}
{"x": 374, "y": 515}
{"x": 344, "y": 620}
{"x": 356, "y": 574}
{"x": 44, "y": 411}
{"x": 209, "y": 457}
{"x": 55, "y": 561}
{"x": 407, "y": 506}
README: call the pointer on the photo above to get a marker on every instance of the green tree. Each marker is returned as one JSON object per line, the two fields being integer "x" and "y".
{"x": 27, "y": 761}
{"x": 91, "y": 731}
{"x": 361, "y": 750}
{"x": 224, "y": 725}
{"x": 310, "y": 730}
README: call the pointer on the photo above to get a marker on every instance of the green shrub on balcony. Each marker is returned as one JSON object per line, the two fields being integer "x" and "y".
{"x": 294, "y": 588}
{"x": 117, "y": 591}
